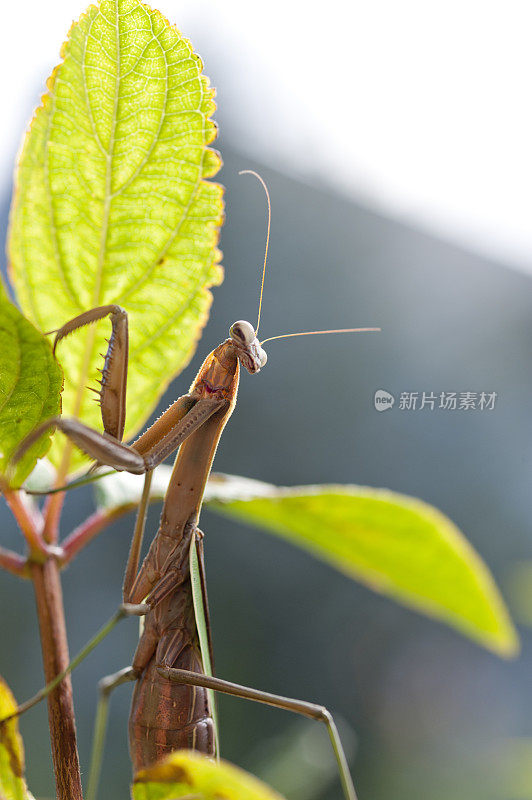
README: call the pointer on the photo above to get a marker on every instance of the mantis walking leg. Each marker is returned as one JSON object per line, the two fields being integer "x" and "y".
{"x": 302, "y": 707}
{"x": 184, "y": 677}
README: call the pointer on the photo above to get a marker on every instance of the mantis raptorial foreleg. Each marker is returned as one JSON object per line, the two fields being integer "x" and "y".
{"x": 158, "y": 442}
{"x": 138, "y": 458}
{"x": 114, "y": 373}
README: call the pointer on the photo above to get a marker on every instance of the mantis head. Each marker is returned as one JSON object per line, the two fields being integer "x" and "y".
{"x": 247, "y": 346}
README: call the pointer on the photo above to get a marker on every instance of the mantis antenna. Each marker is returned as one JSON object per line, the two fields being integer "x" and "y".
{"x": 286, "y": 335}
{"x": 258, "y": 177}
{"x": 316, "y": 333}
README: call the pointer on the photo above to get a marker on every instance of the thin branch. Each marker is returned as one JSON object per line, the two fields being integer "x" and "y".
{"x": 29, "y": 522}
{"x": 52, "y": 515}
{"x": 14, "y": 563}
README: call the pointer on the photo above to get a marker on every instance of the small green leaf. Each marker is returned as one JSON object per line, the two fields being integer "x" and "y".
{"x": 112, "y": 206}
{"x": 396, "y": 545}
{"x": 30, "y": 388}
{"x": 187, "y": 774}
{"x": 12, "y": 783}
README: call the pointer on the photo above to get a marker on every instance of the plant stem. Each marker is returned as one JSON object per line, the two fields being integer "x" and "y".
{"x": 14, "y": 563}
{"x": 52, "y": 515}
{"x": 50, "y": 610}
{"x": 29, "y": 524}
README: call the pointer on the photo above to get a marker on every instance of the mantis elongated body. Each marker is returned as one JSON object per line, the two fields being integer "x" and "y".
{"x": 165, "y": 715}
{"x": 171, "y": 706}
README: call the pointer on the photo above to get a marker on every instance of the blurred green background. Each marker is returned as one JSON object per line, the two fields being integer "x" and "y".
{"x": 425, "y": 713}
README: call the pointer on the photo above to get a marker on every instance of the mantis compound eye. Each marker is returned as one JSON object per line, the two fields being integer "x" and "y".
{"x": 242, "y": 332}
{"x": 263, "y": 357}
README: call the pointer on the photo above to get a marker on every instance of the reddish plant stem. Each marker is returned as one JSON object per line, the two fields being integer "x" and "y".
{"x": 92, "y": 526}
{"x": 14, "y": 563}
{"x": 52, "y": 515}
{"x": 50, "y": 610}
{"x": 29, "y": 524}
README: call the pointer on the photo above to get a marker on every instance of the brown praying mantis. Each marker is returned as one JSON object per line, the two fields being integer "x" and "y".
{"x": 172, "y": 704}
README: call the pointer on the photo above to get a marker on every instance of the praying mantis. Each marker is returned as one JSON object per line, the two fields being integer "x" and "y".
{"x": 172, "y": 702}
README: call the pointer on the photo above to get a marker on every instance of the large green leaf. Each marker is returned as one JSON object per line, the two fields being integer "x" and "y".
{"x": 188, "y": 774}
{"x": 30, "y": 387}
{"x": 12, "y": 784}
{"x": 395, "y": 544}
{"x": 111, "y": 205}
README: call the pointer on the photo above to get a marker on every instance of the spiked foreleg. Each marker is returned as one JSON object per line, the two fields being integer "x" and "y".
{"x": 109, "y": 451}
{"x": 101, "y": 447}
{"x": 114, "y": 373}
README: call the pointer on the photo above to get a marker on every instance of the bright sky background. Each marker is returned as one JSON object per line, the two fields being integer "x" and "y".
{"x": 420, "y": 108}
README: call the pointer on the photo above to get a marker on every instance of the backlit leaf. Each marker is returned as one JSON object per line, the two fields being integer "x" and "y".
{"x": 189, "y": 774}
{"x": 30, "y": 387}
{"x": 395, "y": 544}
{"x": 112, "y": 206}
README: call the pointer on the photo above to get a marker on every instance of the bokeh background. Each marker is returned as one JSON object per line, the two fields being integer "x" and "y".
{"x": 395, "y": 142}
